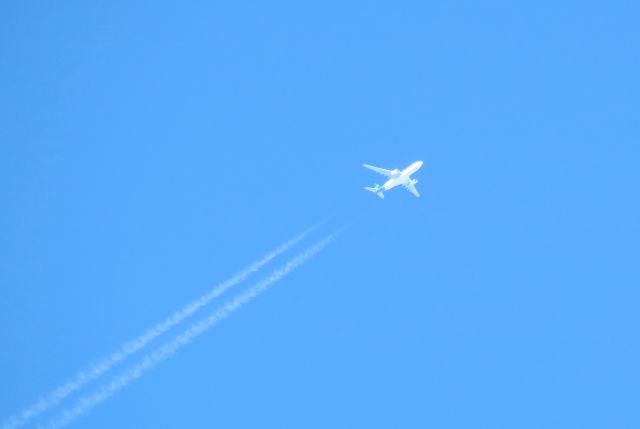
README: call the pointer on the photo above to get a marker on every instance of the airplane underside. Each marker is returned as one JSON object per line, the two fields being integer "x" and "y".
{"x": 396, "y": 178}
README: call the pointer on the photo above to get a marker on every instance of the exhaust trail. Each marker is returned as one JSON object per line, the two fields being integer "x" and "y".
{"x": 154, "y": 358}
{"x": 83, "y": 377}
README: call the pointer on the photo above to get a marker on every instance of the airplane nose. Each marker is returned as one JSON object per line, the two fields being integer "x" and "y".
{"x": 419, "y": 163}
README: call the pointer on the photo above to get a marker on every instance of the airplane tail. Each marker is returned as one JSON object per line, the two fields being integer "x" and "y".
{"x": 377, "y": 190}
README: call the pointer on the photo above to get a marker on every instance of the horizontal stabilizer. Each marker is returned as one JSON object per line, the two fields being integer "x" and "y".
{"x": 377, "y": 190}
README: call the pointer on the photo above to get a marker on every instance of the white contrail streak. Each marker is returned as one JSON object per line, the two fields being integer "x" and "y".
{"x": 84, "y": 377}
{"x": 154, "y": 358}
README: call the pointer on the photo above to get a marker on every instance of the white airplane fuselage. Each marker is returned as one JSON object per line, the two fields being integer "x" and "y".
{"x": 403, "y": 177}
{"x": 395, "y": 178}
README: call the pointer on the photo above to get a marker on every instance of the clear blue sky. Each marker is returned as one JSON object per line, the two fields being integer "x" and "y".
{"x": 150, "y": 150}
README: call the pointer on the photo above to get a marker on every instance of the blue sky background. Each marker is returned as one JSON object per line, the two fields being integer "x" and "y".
{"x": 149, "y": 151}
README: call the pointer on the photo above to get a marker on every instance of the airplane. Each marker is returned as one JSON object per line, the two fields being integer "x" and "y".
{"x": 396, "y": 177}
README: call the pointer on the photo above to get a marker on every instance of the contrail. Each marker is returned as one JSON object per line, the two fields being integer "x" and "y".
{"x": 84, "y": 377}
{"x": 154, "y": 358}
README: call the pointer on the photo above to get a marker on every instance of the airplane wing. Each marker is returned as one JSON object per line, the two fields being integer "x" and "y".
{"x": 411, "y": 188}
{"x": 388, "y": 173}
